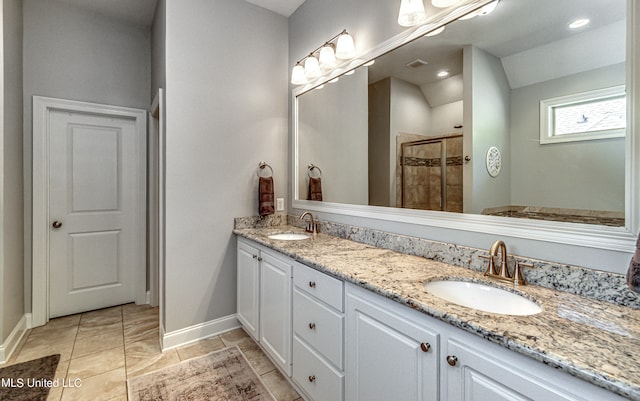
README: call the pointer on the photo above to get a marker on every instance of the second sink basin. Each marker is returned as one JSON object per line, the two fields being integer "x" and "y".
{"x": 483, "y": 297}
{"x": 289, "y": 236}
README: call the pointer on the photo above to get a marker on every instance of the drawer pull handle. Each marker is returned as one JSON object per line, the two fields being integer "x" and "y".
{"x": 452, "y": 360}
{"x": 312, "y": 379}
{"x": 312, "y": 326}
{"x": 312, "y": 284}
{"x": 425, "y": 347}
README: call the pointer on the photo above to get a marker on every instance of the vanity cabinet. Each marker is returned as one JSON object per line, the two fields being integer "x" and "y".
{"x": 318, "y": 326}
{"x": 391, "y": 354}
{"x": 264, "y": 300}
{"x": 474, "y": 369}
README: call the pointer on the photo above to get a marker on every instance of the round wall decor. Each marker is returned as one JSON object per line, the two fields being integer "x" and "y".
{"x": 494, "y": 161}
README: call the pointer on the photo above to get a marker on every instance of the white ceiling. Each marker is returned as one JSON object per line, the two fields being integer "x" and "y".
{"x": 283, "y": 7}
{"x": 139, "y": 12}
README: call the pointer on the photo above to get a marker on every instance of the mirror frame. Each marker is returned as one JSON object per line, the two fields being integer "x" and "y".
{"x": 593, "y": 236}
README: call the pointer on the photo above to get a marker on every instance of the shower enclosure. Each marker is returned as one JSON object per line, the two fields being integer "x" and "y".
{"x": 432, "y": 174}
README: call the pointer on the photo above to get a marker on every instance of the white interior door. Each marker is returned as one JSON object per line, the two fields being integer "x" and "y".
{"x": 93, "y": 199}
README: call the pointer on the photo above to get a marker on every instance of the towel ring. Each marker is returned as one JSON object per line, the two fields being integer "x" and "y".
{"x": 261, "y": 166}
{"x": 312, "y": 167}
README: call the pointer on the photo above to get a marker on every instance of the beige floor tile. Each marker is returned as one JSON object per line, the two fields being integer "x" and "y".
{"x": 97, "y": 363}
{"x": 202, "y": 347}
{"x": 55, "y": 393}
{"x": 101, "y": 317}
{"x": 102, "y": 387}
{"x": 279, "y": 386}
{"x": 92, "y": 331}
{"x": 58, "y": 323}
{"x": 43, "y": 346}
{"x": 141, "y": 326}
{"x": 138, "y": 366}
{"x": 260, "y": 362}
{"x": 104, "y": 340}
{"x": 237, "y": 337}
{"x": 130, "y": 309}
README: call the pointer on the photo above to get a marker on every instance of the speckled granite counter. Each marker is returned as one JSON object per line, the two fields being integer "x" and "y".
{"x": 596, "y": 341}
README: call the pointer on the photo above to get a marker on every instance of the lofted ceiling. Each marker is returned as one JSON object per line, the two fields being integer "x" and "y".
{"x": 140, "y": 12}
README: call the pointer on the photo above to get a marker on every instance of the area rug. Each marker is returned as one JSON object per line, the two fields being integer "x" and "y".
{"x": 223, "y": 375}
{"x": 29, "y": 381}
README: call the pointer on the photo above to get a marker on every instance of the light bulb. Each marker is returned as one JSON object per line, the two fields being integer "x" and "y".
{"x": 345, "y": 49}
{"x": 311, "y": 68}
{"x": 411, "y": 12}
{"x": 297, "y": 75}
{"x": 327, "y": 57}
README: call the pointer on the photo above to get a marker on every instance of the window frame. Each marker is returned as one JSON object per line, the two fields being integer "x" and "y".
{"x": 547, "y": 107}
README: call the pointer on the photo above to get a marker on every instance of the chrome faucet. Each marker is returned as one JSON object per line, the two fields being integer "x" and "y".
{"x": 503, "y": 272}
{"x": 312, "y": 226}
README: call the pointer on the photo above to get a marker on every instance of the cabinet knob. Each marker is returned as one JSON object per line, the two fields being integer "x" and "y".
{"x": 312, "y": 284}
{"x": 425, "y": 347}
{"x": 312, "y": 379}
{"x": 312, "y": 326}
{"x": 452, "y": 360}
{"x": 255, "y": 256}
{"x": 259, "y": 259}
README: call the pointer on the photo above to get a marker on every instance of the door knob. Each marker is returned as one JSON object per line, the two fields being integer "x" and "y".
{"x": 56, "y": 224}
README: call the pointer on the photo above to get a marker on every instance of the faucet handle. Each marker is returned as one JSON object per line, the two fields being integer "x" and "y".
{"x": 517, "y": 273}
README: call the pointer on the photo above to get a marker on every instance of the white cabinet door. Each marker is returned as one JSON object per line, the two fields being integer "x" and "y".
{"x": 487, "y": 372}
{"x": 248, "y": 288}
{"x": 388, "y": 357}
{"x": 275, "y": 310}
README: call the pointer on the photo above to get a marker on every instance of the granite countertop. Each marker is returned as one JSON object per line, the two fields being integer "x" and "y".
{"x": 593, "y": 340}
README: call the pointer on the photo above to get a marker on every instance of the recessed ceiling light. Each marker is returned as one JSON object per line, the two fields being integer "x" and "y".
{"x": 443, "y": 74}
{"x": 579, "y": 23}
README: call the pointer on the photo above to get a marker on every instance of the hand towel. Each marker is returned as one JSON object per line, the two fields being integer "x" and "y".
{"x": 265, "y": 196}
{"x": 633, "y": 274}
{"x": 315, "y": 189}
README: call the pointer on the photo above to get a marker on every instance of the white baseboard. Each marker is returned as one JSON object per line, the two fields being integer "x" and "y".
{"x": 9, "y": 346}
{"x": 197, "y": 332}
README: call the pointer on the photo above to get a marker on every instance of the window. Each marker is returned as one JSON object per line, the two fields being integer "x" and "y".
{"x": 584, "y": 116}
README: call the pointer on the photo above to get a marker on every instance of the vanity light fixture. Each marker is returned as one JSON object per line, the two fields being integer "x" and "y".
{"x": 487, "y": 9}
{"x": 579, "y": 23}
{"x": 324, "y": 57}
{"x": 411, "y": 12}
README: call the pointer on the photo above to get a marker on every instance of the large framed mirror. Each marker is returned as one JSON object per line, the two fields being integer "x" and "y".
{"x": 510, "y": 122}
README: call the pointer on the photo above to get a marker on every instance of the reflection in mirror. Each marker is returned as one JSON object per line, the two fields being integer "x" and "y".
{"x": 414, "y": 130}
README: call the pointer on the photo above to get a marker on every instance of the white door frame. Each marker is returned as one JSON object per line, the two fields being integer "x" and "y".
{"x": 156, "y": 201}
{"x": 42, "y": 106}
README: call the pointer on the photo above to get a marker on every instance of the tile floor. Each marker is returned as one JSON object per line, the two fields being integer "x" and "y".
{"x": 105, "y": 347}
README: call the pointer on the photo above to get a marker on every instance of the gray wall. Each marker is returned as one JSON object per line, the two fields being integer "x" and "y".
{"x": 226, "y": 80}
{"x": 372, "y": 23}
{"x": 158, "y": 48}
{"x": 11, "y": 212}
{"x": 334, "y": 136}
{"x": 75, "y": 54}
{"x": 588, "y": 174}
{"x": 488, "y": 102}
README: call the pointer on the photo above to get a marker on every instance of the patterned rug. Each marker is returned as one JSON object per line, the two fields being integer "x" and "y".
{"x": 29, "y": 381}
{"x": 222, "y": 375}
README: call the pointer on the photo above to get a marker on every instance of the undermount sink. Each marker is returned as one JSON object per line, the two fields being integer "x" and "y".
{"x": 289, "y": 236}
{"x": 483, "y": 297}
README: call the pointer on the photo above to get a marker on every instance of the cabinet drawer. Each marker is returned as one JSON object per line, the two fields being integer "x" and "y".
{"x": 319, "y": 380}
{"x": 319, "y": 326}
{"x": 325, "y": 288}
